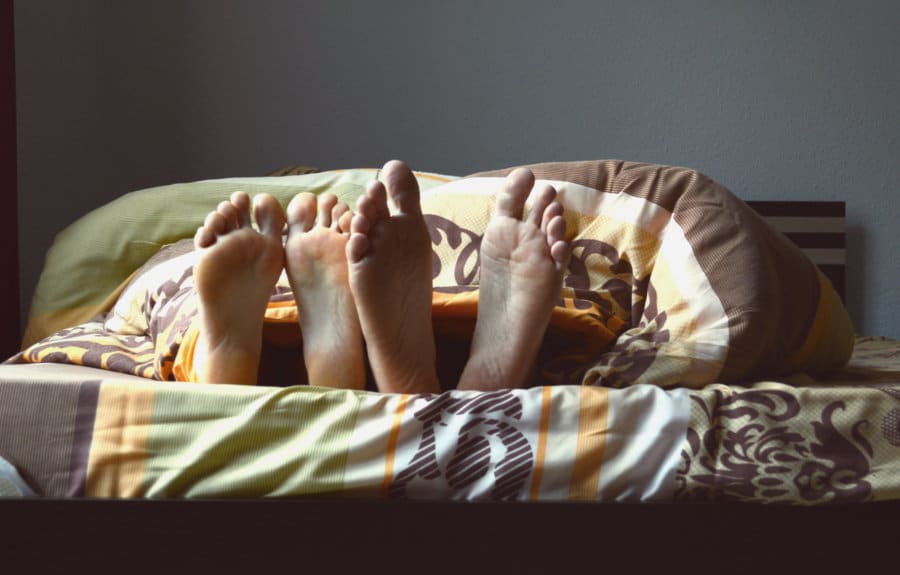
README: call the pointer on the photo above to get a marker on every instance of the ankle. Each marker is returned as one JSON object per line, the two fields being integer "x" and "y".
{"x": 406, "y": 377}
{"x": 488, "y": 372}
{"x": 239, "y": 368}
{"x": 331, "y": 365}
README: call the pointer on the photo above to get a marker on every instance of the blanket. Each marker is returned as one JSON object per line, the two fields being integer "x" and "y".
{"x": 798, "y": 440}
{"x": 674, "y": 281}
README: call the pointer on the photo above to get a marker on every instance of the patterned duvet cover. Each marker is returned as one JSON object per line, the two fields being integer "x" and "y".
{"x": 676, "y": 367}
{"x": 74, "y": 431}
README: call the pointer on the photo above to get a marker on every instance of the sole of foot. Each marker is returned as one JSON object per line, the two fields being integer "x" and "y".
{"x": 523, "y": 259}
{"x": 235, "y": 273}
{"x": 389, "y": 255}
{"x": 316, "y": 265}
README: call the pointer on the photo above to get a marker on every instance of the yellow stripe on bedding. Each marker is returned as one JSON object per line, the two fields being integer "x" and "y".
{"x": 544, "y": 428}
{"x": 242, "y": 441}
{"x": 592, "y": 430}
{"x": 119, "y": 445}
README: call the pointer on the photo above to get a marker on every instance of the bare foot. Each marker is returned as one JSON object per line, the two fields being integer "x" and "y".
{"x": 522, "y": 265}
{"x": 236, "y": 271}
{"x": 390, "y": 276}
{"x": 316, "y": 264}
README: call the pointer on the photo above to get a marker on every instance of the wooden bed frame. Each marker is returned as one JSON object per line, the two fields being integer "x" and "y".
{"x": 444, "y": 537}
{"x": 56, "y": 535}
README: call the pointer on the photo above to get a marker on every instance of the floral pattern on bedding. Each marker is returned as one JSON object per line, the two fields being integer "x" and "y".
{"x": 798, "y": 441}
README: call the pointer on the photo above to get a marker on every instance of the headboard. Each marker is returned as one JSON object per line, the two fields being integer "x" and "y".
{"x": 818, "y": 228}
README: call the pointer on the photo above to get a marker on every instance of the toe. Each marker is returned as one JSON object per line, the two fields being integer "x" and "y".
{"x": 360, "y": 224}
{"x": 357, "y": 246}
{"x": 556, "y": 239}
{"x": 268, "y": 214}
{"x": 358, "y": 242}
{"x": 301, "y": 212}
{"x": 402, "y": 187}
{"x": 373, "y": 204}
{"x": 556, "y": 230}
{"x": 216, "y": 223}
{"x": 241, "y": 203}
{"x": 229, "y": 215}
{"x": 553, "y": 210}
{"x": 544, "y": 196}
{"x": 511, "y": 199}
{"x": 560, "y": 252}
{"x": 344, "y": 222}
{"x": 326, "y": 203}
{"x": 204, "y": 238}
{"x": 337, "y": 212}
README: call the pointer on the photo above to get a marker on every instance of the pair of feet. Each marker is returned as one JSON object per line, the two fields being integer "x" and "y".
{"x": 367, "y": 276}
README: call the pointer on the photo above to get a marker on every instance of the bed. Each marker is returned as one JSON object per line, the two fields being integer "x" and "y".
{"x": 510, "y": 466}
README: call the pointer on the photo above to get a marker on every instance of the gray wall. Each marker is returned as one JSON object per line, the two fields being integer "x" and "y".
{"x": 776, "y": 100}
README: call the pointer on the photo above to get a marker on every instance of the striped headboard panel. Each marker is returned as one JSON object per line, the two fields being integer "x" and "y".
{"x": 818, "y": 228}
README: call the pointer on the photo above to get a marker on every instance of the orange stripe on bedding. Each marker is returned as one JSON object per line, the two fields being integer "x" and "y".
{"x": 816, "y": 330}
{"x": 119, "y": 446}
{"x": 589, "y": 451}
{"x": 392, "y": 446}
{"x": 462, "y": 304}
{"x": 829, "y": 343}
{"x": 183, "y": 365}
{"x": 546, "y": 394}
{"x": 281, "y": 311}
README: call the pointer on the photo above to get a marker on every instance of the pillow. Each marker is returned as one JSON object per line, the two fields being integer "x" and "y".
{"x": 93, "y": 259}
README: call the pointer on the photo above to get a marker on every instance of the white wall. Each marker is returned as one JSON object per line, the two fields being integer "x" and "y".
{"x": 777, "y": 100}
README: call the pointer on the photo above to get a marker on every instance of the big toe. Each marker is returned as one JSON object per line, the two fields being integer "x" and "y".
{"x": 301, "y": 212}
{"x": 402, "y": 187}
{"x": 511, "y": 199}
{"x": 269, "y": 215}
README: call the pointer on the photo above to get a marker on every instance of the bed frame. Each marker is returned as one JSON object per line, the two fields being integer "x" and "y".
{"x": 513, "y": 536}
{"x": 56, "y": 535}
{"x": 445, "y": 537}
{"x": 817, "y": 228}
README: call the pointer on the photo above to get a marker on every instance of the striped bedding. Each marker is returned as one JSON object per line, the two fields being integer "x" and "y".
{"x": 796, "y": 440}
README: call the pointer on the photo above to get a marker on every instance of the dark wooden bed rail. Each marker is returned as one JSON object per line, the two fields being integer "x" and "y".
{"x": 9, "y": 231}
{"x": 817, "y": 228}
{"x": 444, "y": 537}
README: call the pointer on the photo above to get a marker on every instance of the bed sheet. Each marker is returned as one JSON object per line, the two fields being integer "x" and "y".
{"x": 74, "y": 431}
